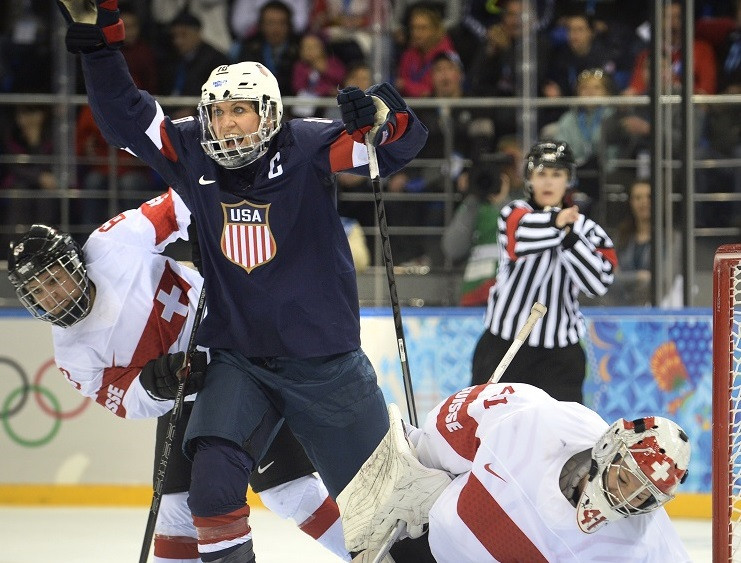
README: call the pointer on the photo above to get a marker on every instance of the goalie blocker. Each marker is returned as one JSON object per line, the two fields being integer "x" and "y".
{"x": 391, "y": 486}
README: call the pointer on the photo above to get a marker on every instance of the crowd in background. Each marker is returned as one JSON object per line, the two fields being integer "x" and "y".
{"x": 584, "y": 49}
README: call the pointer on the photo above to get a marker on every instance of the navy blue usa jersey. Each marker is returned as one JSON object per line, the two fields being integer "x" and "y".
{"x": 278, "y": 271}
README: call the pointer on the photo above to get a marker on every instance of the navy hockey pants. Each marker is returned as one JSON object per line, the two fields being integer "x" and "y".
{"x": 333, "y": 405}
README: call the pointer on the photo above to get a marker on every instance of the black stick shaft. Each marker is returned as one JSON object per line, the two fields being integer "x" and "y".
{"x": 389, "y": 262}
{"x": 175, "y": 414}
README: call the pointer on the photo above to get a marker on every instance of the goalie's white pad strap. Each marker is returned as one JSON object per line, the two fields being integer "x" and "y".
{"x": 391, "y": 485}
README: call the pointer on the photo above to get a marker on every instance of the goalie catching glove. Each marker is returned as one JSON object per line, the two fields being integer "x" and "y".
{"x": 372, "y": 112}
{"x": 161, "y": 377}
{"x": 391, "y": 485}
{"x": 92, "y": 25}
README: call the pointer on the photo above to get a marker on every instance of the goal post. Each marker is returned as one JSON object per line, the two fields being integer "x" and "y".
{"x": 727, "y": 404}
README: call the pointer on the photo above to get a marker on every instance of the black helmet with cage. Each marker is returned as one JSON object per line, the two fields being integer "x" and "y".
{"x": 550, "y": 154}
{"x": 46, "y": 269}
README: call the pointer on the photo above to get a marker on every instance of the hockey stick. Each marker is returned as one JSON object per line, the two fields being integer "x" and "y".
{"x": 383, "y": 227}
{"x": 175, "y": 414}
{"x": 536, "y": 312}
{"x": 375, "y": 176}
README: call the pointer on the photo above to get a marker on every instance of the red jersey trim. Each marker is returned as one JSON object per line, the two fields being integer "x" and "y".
{"x": 513, "y": 221}
{"x": 610, "y": 254}
{"x": 175, "y": 547}
{"x": 215, "y": 529}
{"x": 167, "y": 149}
{"x": 318, "y": 523}
{"x": 340, "y": 153}
{"x": 161, "y": 213}
{"x": 493, "y": 527}
{"x": 456, "y": 425}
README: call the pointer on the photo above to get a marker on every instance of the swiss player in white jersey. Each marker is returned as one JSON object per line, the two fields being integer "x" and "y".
{"x": 543, "y": 480}
{"x": 122, "y": 315}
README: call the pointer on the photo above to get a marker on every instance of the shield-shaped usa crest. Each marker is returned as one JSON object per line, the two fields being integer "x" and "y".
{"x": 247, "y": 239}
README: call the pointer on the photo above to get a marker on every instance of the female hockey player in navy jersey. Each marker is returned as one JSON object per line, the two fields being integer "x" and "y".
{"x": 122, "y": 315}
{"x": 283, "y": 324}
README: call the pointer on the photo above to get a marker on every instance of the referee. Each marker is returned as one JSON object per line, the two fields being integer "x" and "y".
{"x": 548, "y": 252}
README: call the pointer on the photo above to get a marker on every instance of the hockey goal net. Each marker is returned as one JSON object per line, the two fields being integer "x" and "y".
{"x": 727, "y": 404}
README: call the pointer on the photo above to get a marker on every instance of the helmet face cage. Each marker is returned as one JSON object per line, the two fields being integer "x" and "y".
{"x": 550, "y": 154}
{"x": 636, "y": 468}
{"x": 248, "y": 81}
{"x": 49, "y": 277}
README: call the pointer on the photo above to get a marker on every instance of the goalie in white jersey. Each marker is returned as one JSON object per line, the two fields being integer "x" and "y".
{"x": 543, "y": 480}
{"x": 122, "y": 315}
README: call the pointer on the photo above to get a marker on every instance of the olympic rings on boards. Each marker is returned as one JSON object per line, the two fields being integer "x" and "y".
{"x": 31, "y": 443}
{"x": 11, "y": 411}
{"x": 56, "y": 413}
{"x": 16, "y": 400}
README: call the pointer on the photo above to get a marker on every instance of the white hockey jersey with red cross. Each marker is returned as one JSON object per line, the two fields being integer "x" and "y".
{"x": 507, "y": 443}
{"x": 144, "y": 307}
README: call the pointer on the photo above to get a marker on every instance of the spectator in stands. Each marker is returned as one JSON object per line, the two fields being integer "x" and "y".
{"x": 472, "y": 233}
{"x": 581, "y": 128}
{"x": 316, "y": 74}
{"x": 724, "y": 136}
{"x": 427, "y": 39}
{"x": 632, "y": 284}
{"x": 139, "y": 55}
{"x": 133, "y": 181}
{"x": 274, "y": 44}
{"x": 194, "y": 61}
{"x": 360, "y": 75}
{"x": 25, "y": 47}
{"x": 705, "y": 70}
{"x": 211, "y": 13}
{"x": 245, "y": 16}
{"x": 495, "y": 71}
{"x": 456, "y": 128}
{"x": 583, "y": 50}
{"x": 30, "y": 135}
{"x": 347, "y": 25}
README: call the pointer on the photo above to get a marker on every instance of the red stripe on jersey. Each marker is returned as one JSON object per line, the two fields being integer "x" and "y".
{"x": 513, "y": 222}
{"x": 161, "y": 213}
{"x": 164, "y": 324}
{"x": 318, "y": 523}
{"x": 402, "y": 124}
{"x": 167, "y": 149}
{"x": 175, "y": 547}
{"x": 493, "y": 527}
{"x": 340, "y": 153}
{"x": 456, "y": 425}
{"x": 610, "y": 254}
{"x": 215, "y": 529}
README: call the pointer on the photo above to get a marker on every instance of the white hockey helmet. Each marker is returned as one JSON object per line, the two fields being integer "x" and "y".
{"x": 639, "y": 462}
{"x": 241, "y": 81}
{"x": 46, "y": 268}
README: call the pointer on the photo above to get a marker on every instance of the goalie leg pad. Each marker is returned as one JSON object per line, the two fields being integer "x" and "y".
{"x": 391, "y": 485}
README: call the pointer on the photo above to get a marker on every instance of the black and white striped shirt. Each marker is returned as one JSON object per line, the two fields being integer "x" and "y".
{"x": 540, "y": 262}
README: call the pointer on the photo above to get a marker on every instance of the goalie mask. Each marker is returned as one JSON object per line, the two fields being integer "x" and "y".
{"x": 550, "y": 154}
{"x": 636, "y": 468}
{"x": 46, "y": 269}
{"x": 223, "y": 138}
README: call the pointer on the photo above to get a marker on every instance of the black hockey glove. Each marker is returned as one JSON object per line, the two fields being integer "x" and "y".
{"x": 160, "y": 377}
{"x": 372, "y": 111}
{"x": 195, "y": 249}
{"x": 92, "y": 25}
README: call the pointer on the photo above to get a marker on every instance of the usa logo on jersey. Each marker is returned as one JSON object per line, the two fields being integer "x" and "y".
{"x": 247, "y": 239}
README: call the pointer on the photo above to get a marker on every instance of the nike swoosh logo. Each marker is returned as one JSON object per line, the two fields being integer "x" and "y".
{"x": 488, "y": 468}
{"x": 205, "y": 182}
{"x": 262, "y": 469}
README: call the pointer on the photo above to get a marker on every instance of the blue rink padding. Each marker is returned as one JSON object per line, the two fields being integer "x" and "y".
{"x": 640, "y": 361}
